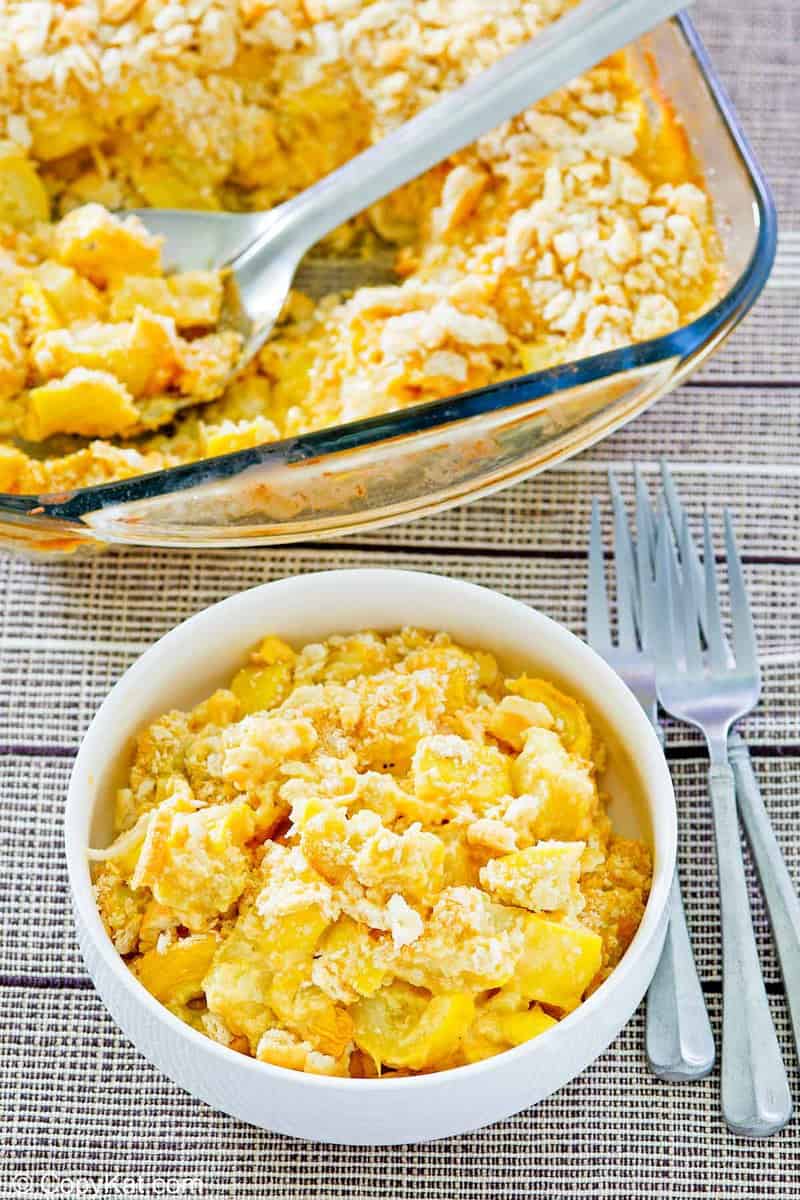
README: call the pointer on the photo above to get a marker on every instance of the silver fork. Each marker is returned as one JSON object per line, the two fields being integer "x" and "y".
{"x": 679, "y": 1041}
{"x": 712, "y": 695}
{"x": 781, "y": 898}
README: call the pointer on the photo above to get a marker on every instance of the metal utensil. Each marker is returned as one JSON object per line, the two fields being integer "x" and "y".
{"x": 780, "y": 895}
{"x": 679, "y": 1041}
{"x": 263, "y": 250}
{"x": 712, "y": 695}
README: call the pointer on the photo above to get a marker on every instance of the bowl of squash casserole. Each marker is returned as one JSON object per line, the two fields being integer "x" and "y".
{"x": 370, "y": 856}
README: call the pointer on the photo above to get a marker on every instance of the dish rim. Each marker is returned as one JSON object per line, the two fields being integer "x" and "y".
{"x": 628, "y": 712}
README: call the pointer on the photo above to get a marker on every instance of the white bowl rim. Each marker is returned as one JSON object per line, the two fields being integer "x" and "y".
{"x": 651, "y": 760}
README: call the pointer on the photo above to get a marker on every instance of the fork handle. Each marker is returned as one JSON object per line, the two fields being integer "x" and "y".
{"x": 678, "y": 1036}
{"x": 680, "y": 1044}
{"x": 776, "y": 883}
{"x": 755, "y": 1092}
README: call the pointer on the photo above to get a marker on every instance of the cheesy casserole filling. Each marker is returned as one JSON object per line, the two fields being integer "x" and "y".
{"x": 375, "y": 855}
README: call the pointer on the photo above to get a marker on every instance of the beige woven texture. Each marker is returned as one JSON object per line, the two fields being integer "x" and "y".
{"x": 84, "y": 1110}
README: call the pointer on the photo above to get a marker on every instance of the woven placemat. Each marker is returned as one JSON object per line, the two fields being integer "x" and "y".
{"x": 85, "y": 1115}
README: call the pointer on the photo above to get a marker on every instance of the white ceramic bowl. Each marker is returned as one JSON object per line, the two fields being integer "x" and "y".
{"x": 183, "y": 667}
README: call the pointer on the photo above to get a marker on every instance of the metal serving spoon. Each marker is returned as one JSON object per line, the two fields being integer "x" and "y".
{"x": 262, "y": 250}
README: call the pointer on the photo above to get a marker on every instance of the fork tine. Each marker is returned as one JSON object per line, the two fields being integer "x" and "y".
{"x": 676, "y": 515}
{"x": 662, "y": 626}
{"x": 645, "y": 556}
{"x": 744, "y": 638}
{"x": 645, "y": 521}
{"x": 674, "y": 506}
{"x": 625, "y": 574}
{"x": 691, "y": 629}
{"x": 597, "y": 624}
{"x": 675, "y": 593}
{"x": 714, "y": 634}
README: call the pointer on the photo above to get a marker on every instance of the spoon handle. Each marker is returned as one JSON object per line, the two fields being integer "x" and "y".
{"x": 583, "y": 37}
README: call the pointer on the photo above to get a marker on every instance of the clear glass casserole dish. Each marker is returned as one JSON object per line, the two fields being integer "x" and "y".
{"x": 415, "y": 461}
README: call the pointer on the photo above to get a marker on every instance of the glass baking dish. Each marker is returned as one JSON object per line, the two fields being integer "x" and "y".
{"x": 413, "y": 462}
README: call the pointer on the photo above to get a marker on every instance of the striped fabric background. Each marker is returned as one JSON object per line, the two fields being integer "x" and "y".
{"x": 83, "y": 1110}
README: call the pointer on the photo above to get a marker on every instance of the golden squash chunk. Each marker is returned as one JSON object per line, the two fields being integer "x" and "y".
{"x": 284, "y": 1049}
{"x": 192, "y": 299}
{"x": 453, "y": 772}
{"x": 55, "y": 136}
{"x": 504, "y": 1021}
{"x": 197, "y": 297}
{"x": 544, "y": 876}
{"x": 265, "y": 968}
{"x": 141, "y": 354}
{"x": 261, "y": 688}
{"x": 351, "y": 961}
{"x": 230, "y": 436}
{"x": 155, "y": 354}
{"x": 469, "y": 943}
{"x": 308, "y": 1012}
{"x": 521, "y": 1027}
{"x": 146, "y": 291}
{"x": 349, "y": 657}
{"x": 239, "y": 979}
{"x": 176, "y": 976}
{"x": 563, "y": 795}
{"x": 37, "y": 308}
{"x": 362, "y": 849}
{"x": 558, "y": 962}
{"x": 267, "y": 680}
{"x": 97, "y": 347}
{"x": 460, "y": 867}
{"x": 220, "y": 709}
{"x": 287, "y": 367}
{"x": 23, "y": 196}
{"x": 92, "y": 403}
{"x": 242, "y": 985}
{"x": 72, "y": 297}
{"x": 164, "y": 187}
{"x": 540, "y": 355}
{"x": 294, "y": 937}
{"x": 514, "y": 716}
{"x": 194, "y": 861}
{"x": 103, "y": 247}
{"x": 569, "y": 718}
{"x": 404, "y": 1026}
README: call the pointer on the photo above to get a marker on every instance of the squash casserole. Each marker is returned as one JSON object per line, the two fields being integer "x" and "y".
{"x": 372, "y": 856}
{"x": 580, "y": 226}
